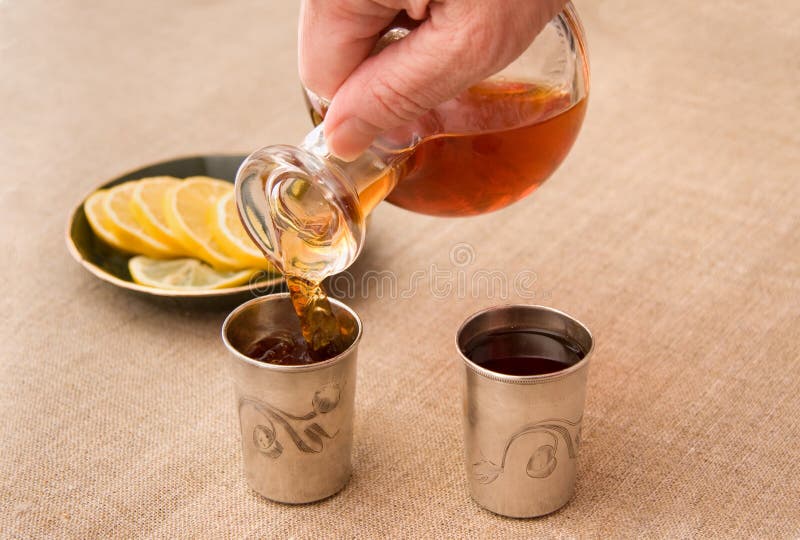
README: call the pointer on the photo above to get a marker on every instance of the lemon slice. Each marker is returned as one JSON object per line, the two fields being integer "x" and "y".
{"x": 93, "y": 207}
{"x": 133, "y": 237}
{"x": 232, "y": 238}
{"x": 147, "y": 205}
{"x": 189, "y": 209}
{"x": 184, "y": 274}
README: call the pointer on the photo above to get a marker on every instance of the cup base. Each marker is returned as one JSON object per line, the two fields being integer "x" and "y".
{"x": 524, "y": 515}
{"x": 301, "y": 501}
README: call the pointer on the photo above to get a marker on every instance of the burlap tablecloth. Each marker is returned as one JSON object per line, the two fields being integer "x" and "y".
{"x": 672, "y": 231}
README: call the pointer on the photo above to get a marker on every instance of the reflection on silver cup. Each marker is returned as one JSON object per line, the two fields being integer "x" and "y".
{"x": 296, "y": 421}
{"x": 522, "y": 431}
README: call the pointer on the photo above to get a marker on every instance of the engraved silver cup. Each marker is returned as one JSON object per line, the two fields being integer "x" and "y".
{"x": 296, "y": 421}
{"x": 522, "y": 433}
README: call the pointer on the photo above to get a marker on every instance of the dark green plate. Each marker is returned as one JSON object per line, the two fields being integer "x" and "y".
{"x": 111, "y": 265}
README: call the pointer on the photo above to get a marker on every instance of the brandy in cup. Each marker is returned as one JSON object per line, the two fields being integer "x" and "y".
{"x": 525, "y": 382}
{"x": 295, "y": 412}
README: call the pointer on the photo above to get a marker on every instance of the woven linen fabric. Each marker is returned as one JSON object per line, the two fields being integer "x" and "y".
{"x": 671, "y": 231}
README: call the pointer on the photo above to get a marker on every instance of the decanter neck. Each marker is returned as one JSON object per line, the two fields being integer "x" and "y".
{"x": 301, "y": 209}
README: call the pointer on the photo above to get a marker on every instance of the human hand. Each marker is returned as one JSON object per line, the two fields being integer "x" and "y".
{"x": 457, "y": 44}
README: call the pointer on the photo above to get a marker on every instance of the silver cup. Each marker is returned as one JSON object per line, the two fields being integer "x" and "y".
{"x": 296, "y": 421}
{"x": 522, "y": 433}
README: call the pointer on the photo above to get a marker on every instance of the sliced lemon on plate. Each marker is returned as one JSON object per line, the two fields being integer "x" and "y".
{"x": 147, "y": 205}
{"x": 131, "y": 234}
{"x": 189, "y": 209}
{"x": 184, "y": 274}
{"x": 93, "y": 207}
{"x": 231, "y": 237}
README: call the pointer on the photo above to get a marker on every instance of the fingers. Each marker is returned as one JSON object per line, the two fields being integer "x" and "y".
{"x": 394, "y": 87}
{"x": 334, "y": 37}
{"x": 460, "y": 43}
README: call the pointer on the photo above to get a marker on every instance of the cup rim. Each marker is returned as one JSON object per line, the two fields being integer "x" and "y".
{"x": 523, "y": 379}
{"x": 278, "y": 367}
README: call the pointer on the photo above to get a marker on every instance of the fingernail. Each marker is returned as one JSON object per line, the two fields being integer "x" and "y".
{"x": 349, "y": 139}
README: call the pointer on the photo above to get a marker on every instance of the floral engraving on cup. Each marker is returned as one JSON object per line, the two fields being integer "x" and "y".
{"x": 306, "y": 434}
{"x": 542, "y": 462}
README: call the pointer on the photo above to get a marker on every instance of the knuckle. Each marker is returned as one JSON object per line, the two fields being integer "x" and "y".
{"x": 395, "y": 104}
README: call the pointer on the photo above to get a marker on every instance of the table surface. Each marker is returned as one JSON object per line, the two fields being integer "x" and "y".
{"x": 671, "y": 231}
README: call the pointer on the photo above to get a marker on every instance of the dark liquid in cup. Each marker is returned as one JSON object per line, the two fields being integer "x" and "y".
{"x": 523, "y": 352}
{"x": 323, "y": 332}
{"x": 281, "y": 347}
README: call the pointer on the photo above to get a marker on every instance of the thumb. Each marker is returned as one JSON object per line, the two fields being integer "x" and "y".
{"x": 459, "y": 44}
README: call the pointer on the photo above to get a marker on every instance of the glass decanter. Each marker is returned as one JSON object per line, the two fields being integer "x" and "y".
{"x": 481, "y": 151}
